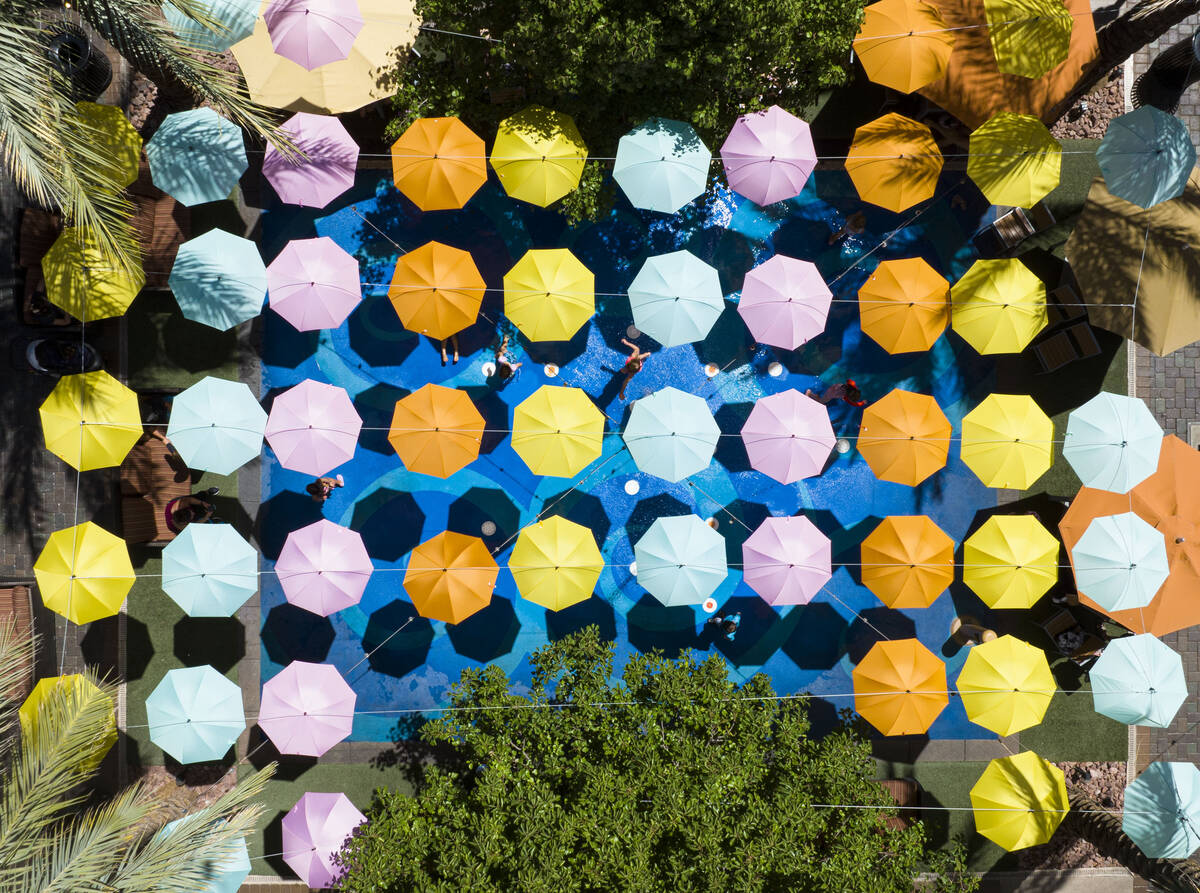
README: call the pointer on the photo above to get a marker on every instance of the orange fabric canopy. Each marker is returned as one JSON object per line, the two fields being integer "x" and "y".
{"x": 903, "y": 44}
{"x": 894, "y": 162}
{"x": 439, "y": 163}
{"x": 907, "y": 561}
{"x": 436, "y": 430}
{"x": 436, "y": 290}
{"x": 900, "y": 687}
{"x": 450, "y": 577}
{"x": 904, "y": 305}
{"x": 904, "y": 437}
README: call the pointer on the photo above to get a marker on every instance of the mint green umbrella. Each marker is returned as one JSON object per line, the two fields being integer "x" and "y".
{"x": 1162, "y": 810}
{"x": 671, "y": 434}
{"x": 680, "y": 560}
{"x": 225, "y": 874}
{"x": 662, "y": 165}
{"x": 676, "y": 298}
{"x": 196, "y": 156}
{"x": 234, "y": 20}
{"x": 217, "y": 425}
{"x": 1138, "y": 680}
{"x": 219, "y": 279}
{"x": 195, "y": 714}
{"x": 209, "y": 570}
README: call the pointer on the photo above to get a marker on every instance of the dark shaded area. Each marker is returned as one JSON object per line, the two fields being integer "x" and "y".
{"x": 728, "y": 343}
{"x": 161, "y": 331}
{"x": 819, "y": 636}
{"x": 582, "y": 508}
{"x": 1064, "y": 389}
{"x": 731, "y": 451}
{"x": 397, "y": 639}
{"x": 376, "y": 334}
{"x": 736, "y": 522}
{"x": 279, "y": 516}
{"x": 653, "y": 625}
{"x": 390, "y": 523}
{"x": 595, "y": 611}
{"x": 495, "y": 416}
{"x": 290, "y": 633}
{"x": 876, "y": 625}
{"x": 273, "y": 845}
{"x": 486, "y": 634}
{"x": 646, "y": 512}
{"x": 375, "y": 405}
{"x": 558, "y": 352}
{"x": 754, "y": 642}
{"x": 469, "y": 512}
{"x": 100, "y": 642}
{"x": 262, "y": 751}
{"x": 219, "y": 642}
{"x": 282, "y": 344}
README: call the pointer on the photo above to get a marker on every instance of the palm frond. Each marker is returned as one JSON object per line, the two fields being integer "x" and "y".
{"x": 16, "y": 655}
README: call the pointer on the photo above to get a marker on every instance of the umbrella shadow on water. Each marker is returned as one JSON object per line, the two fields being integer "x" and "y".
{"x": 653, "y": 625}
{"x": 876, "y": 625}
{"x": 760, "y": 631}
{"x": 279, "y": 516}
{"x": 594, "y": 611}
{"x": 582, "y": 508}
{"x": 731, "y": 450}
{"x": 290, "y": 633}
{"x": 495, "y": 415}
{"x": 647, "y": 511}
{"x": 377, "y": 335}
{"x": 736, "y": 522}
{"x": 282, "y": 344}
{"x": 487, "y": 634}
{"x": 219, "y": 642}
{"x": 390, "y": 523}
{"x": 375, "y": 406}
{"x": 485, "y": 513}
{"x": 397, "y": 639}
{"x": 817, "y": 636}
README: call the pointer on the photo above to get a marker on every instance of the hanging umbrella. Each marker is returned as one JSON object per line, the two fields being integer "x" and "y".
{"x": 1146, "y": 156}
{"x": 903, "y": 44}
{"x": 197, "y": 156}
{"x": 209, "y": 570}
{"x": 90, "y": 420}
{"x": 903, "y": 306}
{"x": 894, "y": 162}
{"x": 1010, "y": 561}
{"x": 314, "y": 284}
{"x": 549, "y": 295}
{"x": 662, "y": 165}
{"x": 225, "y": 874}
{"x": 436, "y": 430}
{"x": 82, "y": 280}
{"x": 784, "y": 302}
{"x": 1162, "y": 810}
{"x": 78, "y": 689}
{"x": 306, "y": 708}
{"x": 904, "y": 437}
{"x": 313, "y": 33}
{"x": 327, "y": 168}
{"x": 1138, "y": 681}
{"x": 1120, "y": 562}
{"x": 314, "y": 832}
{"x": 676, "y": 298}
{"x": 998, "y": 306}
{"x": 900, "y": 687}
{"x": 313, "y": 427}
{"x": 234, "y": 20}
{"x": 1007, "y": 440}
{"x": 557, "y": 431}
{"x": 680, "y": 560}
{"x": 450, "y": 577}
{"x": 219, "y": 280}
{"x": 788, "y": 436}
{"x": 1006, "y": 685}
{"x": 555, "y": 563}
{"x": 216, "y": 425}
{"x": 323, "y": 567}
{"x": 786, "y": 560}
{"x": 195, "y": 714}
{"x": 113, "y": 138}
{"x": 1112, "y": 442}
{"x": 84, "y": 573}
{"x": 1019, "y": 801}
{"x": 768, "y": 155}
{"x": 1014, "y": 160}
{"x": 671, "y": 434}
{"x": 538, "y": 155}
{"x": 1029, "y": 37}
{"x": 439, "y": 163}
{"x": 436, "y": 290}
{"x": 907, "y": 561}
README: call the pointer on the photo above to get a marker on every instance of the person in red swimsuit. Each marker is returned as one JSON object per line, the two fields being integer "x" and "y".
{"x": 632, "y": 366}
{"x": 845, "y": 390}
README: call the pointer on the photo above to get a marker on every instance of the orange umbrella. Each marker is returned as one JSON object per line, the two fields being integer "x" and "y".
{"x": 436, "y": 290}
{"x": 436, "y": 430}
{"x": 904, "y": 437}
{"x": 907, "y": 561}
{"x": 900, "y": 687}
{"x": 439, "y": 163}
{"x": 894, "y": 162}
{"x": 1170, "y": 501}
{"x": 450, "y": 577}
{"x": 903, "y": 44}
{"x": 904, "y": 306}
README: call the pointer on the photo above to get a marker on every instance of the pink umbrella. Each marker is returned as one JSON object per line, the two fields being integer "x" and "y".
{"x": 786, "y": 560}
{"x": 313, "y": 33}
{"x": 326, "y": 169}
{"x": 788, "y": 436}
{"x": 314, "y": 284}
{"x": 323, "y": 567}
{"x": 313, "y": 427}
{"x": 306, "y": 708}
{"x": 768, "y": 155}
{"x": 785, "y": 302}
{"x": 314, "y": 832}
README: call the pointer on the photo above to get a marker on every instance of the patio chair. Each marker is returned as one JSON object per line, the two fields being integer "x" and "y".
{"x": 1012, "y": 228}
{"x": 151, "y": 476}
{"x": 1063, "y": 304}
{"x": 1069, "y": 638}
{"x": 16, "y": 611}
{"x": 1076, "y": 342}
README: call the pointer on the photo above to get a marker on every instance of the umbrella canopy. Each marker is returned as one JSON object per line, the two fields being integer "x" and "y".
{"x": 323, "y": 567}
{"x": 1029, "y": 37}
{"x": 784, "y": 302}
{"x": 314, "y": 284}
{"x": 197, "y": 156}
{"x": 81, "y": 279}
{"x": 768, "y": 155}
{"x": 903, "y": 44}
{"x": 1162, "y": 810}
{"x": 78, "y": 689}
{"x": 662, "y": 165}
{"x": 84, "y": 573}
{"x": 538, "y": 155}
{"x": 1006, "y": 685}
{"x": 904, "y": 305}
{"x": 327, "y": 168}
{"x": 787, "y": 561}
{"x": 900, "y": 687}
{"x": 314, "y": 832}
{"x": 90, "y": 420}
{"x": 1120, "y": 562}
{"x": 1138, "y": 681}
{"x": 671, "y": 434}
{"x": 894, "y": 162}
{"x": 676, "y": 298}
{"x": 313, "y": 427}
{"x": 549, "y": 294}
{"x": 209, "y": 570}
{"x": 680, "y": 560}
{"x": 313, "y": 33}
{"x": 788, "y": 436}
{"x": 1014, "y": 160}
{"x": 557, "y": 431}
{"x": 226, "y": 875}
{"x": 219, "y": 279}
{"x": 907, "y": 561}
{"x": 217, "y": 425}
{"x": 1019, "y": 801}
{"x": 436, "y": 430}
{"x": 436, "y": 290}
{"x": 555, "y": 563}
{"x": 998, "y": 306}
{"x": 450, "y": 577}
{"x": 195, "y": 714}
{"x": 114, "y": 140}
{"x": 234, "y": 20}
{"x": 904, "y": 437}
{"x": 1146, "y": 156}
{"x": 439, "y": 163}
{"x": 1010, "y": 561}
{"x": 1007, "y": 441}
{"x": 306, "y": 708}
{"x": 1112, "y": 442}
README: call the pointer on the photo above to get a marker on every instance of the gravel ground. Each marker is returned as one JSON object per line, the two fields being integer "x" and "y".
{"x": 1106, "y": 783}
{"x": 1089, "y": 119}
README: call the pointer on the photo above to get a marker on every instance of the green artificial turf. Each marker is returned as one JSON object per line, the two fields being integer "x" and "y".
{"x": 167, "y": 351}
{"x": 1072, "y": 731}
{"x": 1079, "y": 169}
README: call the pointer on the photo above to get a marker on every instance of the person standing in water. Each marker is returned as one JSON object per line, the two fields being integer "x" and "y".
{"x": 632, "y": 366}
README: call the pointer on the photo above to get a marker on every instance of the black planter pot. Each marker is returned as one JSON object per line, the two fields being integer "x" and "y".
{"x": 86, "y": 68}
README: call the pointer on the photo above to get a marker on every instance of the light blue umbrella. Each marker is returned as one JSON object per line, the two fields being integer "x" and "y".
{"x": 1162, "y": 810}
{"x": 1112, "y": 442}
{"x": 676, "y": 298}
{"x": 662, "y": 165}
{"x": 226, "y": 874}
{"x": 209, "y": 570}
{"x": 196, "y": 156}
{"x": 1139, "y": 681}
{"x": 1146, "y": 156}
{"x": 1120, "y": 562}
{"x": 217, "y": 425}
{"x": 195, "y": 714}
{"x": 681, "y": 560}
{"x": 219, "y": 279}
{"x": 671, "y": 434}
{"x": 235, "y": 18}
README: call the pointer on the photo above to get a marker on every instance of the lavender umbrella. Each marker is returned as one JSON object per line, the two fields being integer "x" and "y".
{"x": 786, "y": 560}
{"x": 313, "y": 33}
{"x": 784, "y": 302}
{"x": 313, "y": 284}
{"x": 788, "y": 436}
{"x": 768, "y": 155}
{"x": 323, "y": 567}
{"x": 306, "y": 708}
{"x": 313, "y": 427}
{"x": 314, "y": 831}
{"x": 325, "y": 171}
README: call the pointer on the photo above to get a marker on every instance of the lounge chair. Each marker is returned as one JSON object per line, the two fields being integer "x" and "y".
{"x": 1012, "y": 228}
{"x": 151, "y": 476}
{"x": 16, "y": 612}
{"x": 1069, "y": 638}
{"x": 1075, "y": 342}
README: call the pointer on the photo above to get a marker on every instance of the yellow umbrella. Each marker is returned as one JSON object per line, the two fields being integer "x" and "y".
{"x": 538, "y": 155}
{"x": 1014, "y": 160}
{"x": 900, "y": 687}
{"x": 113, "y": 139}
{"x": 894, "y": 162}
{"x": 557, "y": 431}
{"x": 90, "y": 420}
{"x": 76, "y": 689}
{"x": 1010, "y": 561}
{"x": 1019, "y": 801}
{"x": 1006, "y": 685}
{"x": 903, "y": 44}
{"x": 436, "y": 290}
{"x": 903, "y": 306}
{"x": 1029, "y": 37}
{"x": 1007, "y": 440}
{"x": 549, "y": 294}
{"x": 84, "y": 573}
{"x": 904, "y": 437}
{"x": 439, "y": 163}
{"x": 907, "y": 561}
{"x": 998, "y": 306}
{"x": 82, "y": 280}
{"x": 450, "y": 577}
{"x": 555, "y": 563}
{"x": 436, "y": 430}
